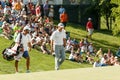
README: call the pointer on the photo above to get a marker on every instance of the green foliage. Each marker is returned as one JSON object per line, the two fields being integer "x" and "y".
{"x": 106, "y": 7}
{"x": 116, "y": 23}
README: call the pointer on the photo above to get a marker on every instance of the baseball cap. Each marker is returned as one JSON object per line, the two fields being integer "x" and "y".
{"x": 61, "y": 25}
{"x": 89, "y": 18}
{"x": 26, "y": 28}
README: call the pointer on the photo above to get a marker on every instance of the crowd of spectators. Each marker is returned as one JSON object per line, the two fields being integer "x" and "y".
{"x": 14, "y": 16}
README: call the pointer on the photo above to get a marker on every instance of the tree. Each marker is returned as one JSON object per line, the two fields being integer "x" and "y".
{"x": 106, "y": 7}
{"x": 116, "y": 24}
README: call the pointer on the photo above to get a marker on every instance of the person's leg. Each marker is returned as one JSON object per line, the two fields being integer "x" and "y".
{"x": 57, "y": 56}
{"x": 62, "y": 56}
{"x": 16, "y": 65}
{"x": 90, "y": 33}
{"x": 27, "y": 62}
{"x": 26, "y": 56}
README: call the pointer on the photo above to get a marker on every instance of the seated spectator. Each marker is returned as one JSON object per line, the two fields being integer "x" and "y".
{"x": 1, "y": 22}
{"x": 99, "y": 53}
{"x": 44, "y": 48}
{"x": 89, "y": 58}
{"x": 74, "y": 42}
{"x": 109, "y": 53}
{"x": 23, "y": 12}
{"x": 68, "y": 45}
{"x": 47, "y": 38}
{"x": 91, "y": 49}
{"x": 86, "y": 41}
{"x": 81, "y": 43}
{"x": 7, "y": 31}
{"x": 83, "y": 49}
{"x": 117, "y": 63}
{"x": 97, "y": 63}
{"x": 16, "y": 27}
{"x": 78, "y": 58}
{"x": 104, "y": 60}
{"x": 35, "y": 44}
{"x": 75, "y": 56}
{"x": 71, "y": 56}
{"x": 1, "y": 11}
{"x": 112, "y": 60}
{"x": 118, "y": 52}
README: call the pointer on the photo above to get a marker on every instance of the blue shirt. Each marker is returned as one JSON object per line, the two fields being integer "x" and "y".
{"x": 61, "y": 10}
{"x": 3, "y": 4}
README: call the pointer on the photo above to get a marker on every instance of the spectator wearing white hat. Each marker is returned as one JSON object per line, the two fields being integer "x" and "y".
{"x": 89, "y": 28}
{"x": 26, "y": 42}
{"x": 58, "y": 42}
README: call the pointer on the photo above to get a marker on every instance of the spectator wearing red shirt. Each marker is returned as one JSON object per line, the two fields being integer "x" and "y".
{"x": 89, "y": 28}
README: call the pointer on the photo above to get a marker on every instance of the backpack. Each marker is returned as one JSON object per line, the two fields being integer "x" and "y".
{"x": 8, "y": 53}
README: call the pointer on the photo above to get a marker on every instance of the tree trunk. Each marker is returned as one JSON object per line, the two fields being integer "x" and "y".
{"x": 107, "y": 22}
{"x": 111, "y": 18}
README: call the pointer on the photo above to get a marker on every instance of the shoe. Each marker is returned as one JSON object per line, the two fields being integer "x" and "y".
{"x": 28, "y": 71}
{"x": 16, "y": 72}
{"x": 57, "y": 69}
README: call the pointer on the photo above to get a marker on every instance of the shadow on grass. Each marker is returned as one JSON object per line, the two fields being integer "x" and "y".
{"x": 77, "y": 26}
{"x": 105, "y": 31}
{"x": 105, "y": 45}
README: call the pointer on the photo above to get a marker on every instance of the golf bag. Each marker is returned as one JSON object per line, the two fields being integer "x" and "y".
{"x": 12, "y": 50}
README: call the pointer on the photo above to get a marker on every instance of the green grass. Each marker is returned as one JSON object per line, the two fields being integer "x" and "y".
{"x": 39, "y": 61}
{"x": 101, "y": 38}
{"x": 42, "y": 62}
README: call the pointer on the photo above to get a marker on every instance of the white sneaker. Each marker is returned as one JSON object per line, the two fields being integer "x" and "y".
{"x": 28, "y": 71}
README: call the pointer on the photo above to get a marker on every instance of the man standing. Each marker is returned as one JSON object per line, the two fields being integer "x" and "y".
{"x": 46, "y": 8}
{"x": 89, "y": 28}
{"x": 58, "y": 42}
{"x": 25, "y": 41}
{"x": 64, "y": 18}
{"x": 61, "y": 10}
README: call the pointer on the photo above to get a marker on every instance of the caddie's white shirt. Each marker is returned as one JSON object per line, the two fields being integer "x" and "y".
{"x": 25, "y": 39}
{"x": 58, "y": 37}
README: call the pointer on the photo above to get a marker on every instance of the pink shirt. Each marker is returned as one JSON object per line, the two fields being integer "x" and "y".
{"x": 38, "y": 10}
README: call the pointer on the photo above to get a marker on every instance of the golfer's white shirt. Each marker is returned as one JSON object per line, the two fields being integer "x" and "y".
{"x": 25, "y": 39}
{"x": 58, "y": 37}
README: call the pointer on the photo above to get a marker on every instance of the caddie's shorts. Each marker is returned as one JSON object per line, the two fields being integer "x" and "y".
{"x": 25, "y": 54}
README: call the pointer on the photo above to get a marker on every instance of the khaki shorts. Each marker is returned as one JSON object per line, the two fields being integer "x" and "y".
{"x": 90, "y": 31}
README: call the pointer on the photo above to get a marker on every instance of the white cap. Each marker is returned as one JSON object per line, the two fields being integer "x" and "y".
{"x": 26, "y": 28}
{"x": 89, "y": 18}
{"x": 61, "y": 25}
{"x": 51, "y": 6}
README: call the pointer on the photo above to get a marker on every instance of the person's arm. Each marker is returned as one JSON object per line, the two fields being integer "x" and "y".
{"x": 29, "y": 46}
{"x": 64, "y": 42}
{"x": 52, "y": 41}
{"x": 51, "y": 44}
{"x": 29, "y": 43}
{"x": 64, "y": 39}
